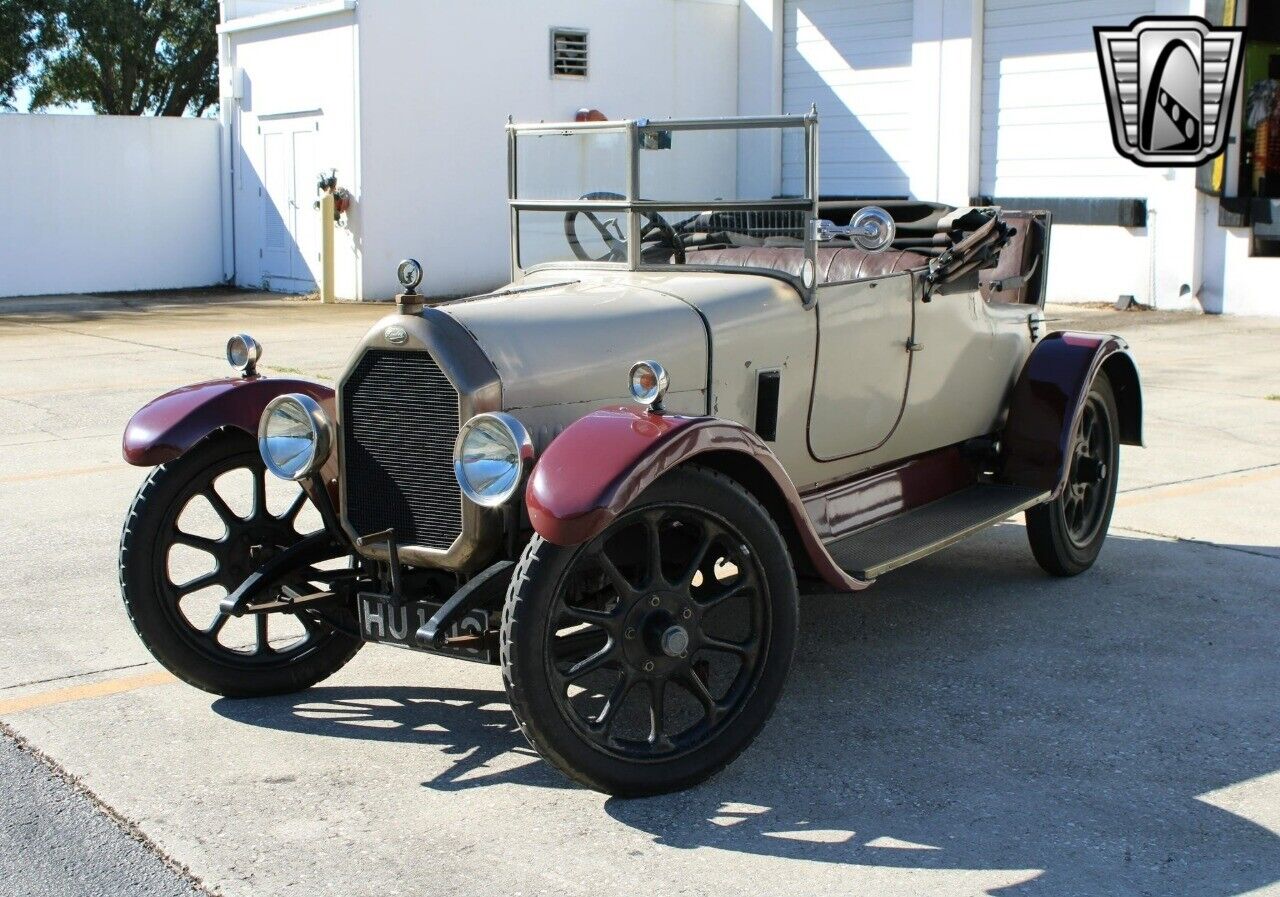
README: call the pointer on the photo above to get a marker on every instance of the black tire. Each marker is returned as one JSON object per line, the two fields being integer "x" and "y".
{"x": 1067, "y": 534}
{"x": 185, "y": 649}
{"x": 748, "y": 562}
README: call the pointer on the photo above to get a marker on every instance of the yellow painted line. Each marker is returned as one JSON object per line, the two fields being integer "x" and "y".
{"x": 1180, "y": 490}
{"x": 33, "y": 475}
{"x": 85, "y": 692}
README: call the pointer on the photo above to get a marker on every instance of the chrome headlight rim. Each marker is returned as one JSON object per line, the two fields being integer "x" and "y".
{"x": 322, "y": 436}
{"x": 243, "y": 354}
{"x": 649, "y": 396}
{"x": 521, "y": 444}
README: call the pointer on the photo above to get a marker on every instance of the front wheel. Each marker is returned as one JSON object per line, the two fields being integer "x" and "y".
{"x": 647, "y": 659}
{"x": 199, "y": 525}
{"x": 1067, "y": 533}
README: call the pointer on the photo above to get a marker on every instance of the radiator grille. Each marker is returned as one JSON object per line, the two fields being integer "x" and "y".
{"x": 399, "y": 423}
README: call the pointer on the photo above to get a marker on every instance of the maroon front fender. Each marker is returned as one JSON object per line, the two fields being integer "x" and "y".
{"x": 602, "y": 462}
{"x": 168, "y": 426}
{"x": 1048, "y": 400}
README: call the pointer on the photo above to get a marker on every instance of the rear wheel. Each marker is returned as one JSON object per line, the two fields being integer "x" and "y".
{"x": 199, "y": 525}
{"x": 1067, "y": 533}
{"x": 647, "y": 659}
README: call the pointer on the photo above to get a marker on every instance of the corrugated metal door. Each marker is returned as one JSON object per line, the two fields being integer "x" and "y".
{"x": 854, "y": 60}
{"x": 1044, "y": 117}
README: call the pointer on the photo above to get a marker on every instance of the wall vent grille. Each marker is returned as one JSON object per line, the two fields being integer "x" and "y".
{"x": 568, "y": 53}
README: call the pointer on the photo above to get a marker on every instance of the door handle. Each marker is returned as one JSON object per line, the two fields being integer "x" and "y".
{"x": 913, "y": 346}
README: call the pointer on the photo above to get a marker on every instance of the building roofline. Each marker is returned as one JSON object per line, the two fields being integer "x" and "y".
{"x": 281, "y": 16}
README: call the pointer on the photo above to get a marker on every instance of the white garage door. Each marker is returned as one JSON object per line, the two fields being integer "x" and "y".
{"x": 852, "y": 58}
{"x": 1045, "y": 131}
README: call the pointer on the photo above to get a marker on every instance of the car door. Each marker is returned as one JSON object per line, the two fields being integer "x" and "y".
{"x": 863, "y": 368}
{"x": 969, "y": 353}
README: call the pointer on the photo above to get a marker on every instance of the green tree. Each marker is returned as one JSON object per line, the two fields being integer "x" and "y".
{"x": 121, "y": 57}
{"x": 19, "y": 41}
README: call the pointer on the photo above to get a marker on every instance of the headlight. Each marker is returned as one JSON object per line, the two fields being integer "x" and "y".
{"x": 294, "y": 436}
{"x": 648, "y": 383}
{"x": 243, "y": 352}
{"x": 490, "y": 458}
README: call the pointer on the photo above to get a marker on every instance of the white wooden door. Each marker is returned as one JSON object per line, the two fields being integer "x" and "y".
{"x": 290, "y": 224}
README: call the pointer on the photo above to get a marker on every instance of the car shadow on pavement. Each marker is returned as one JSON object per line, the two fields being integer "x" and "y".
{"x": 970, "y": 713}
{"x": 473, "y": 727}
{"x": 1095, "y": 735}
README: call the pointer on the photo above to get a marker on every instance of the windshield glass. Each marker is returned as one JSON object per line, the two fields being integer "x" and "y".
{"x": 571, "y": 165}
{"x": 721, "y": 164}
{"x": 597, "y": 236}
{"x": 646, "y": 193}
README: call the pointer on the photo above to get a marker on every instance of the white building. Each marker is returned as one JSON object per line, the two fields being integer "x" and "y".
{"x": 949, "y": 100}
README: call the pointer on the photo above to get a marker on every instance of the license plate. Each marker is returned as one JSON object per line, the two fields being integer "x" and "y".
{"x": 397, "y": 623}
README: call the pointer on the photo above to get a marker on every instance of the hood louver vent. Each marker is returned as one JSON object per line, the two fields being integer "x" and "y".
{"x": 568, "y": 53}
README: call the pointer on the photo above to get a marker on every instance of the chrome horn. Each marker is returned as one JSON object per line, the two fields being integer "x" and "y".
{"x": 872, "y": 229}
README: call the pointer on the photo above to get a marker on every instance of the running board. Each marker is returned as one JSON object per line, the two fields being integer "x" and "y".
{"x": 920, "y": 532}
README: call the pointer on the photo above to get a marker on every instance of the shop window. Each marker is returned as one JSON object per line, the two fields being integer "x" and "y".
{"x": 1255, "y": 202}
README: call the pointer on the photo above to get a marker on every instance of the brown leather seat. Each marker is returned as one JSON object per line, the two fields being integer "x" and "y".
{"x": 835, "y": 263}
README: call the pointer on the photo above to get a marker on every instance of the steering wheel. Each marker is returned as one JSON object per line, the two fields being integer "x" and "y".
{"x": 613, "y": 239}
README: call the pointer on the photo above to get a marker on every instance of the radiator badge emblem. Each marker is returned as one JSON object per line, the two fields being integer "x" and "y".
{"x": 396, "y": 335}
{"x": 1171, "y": 86}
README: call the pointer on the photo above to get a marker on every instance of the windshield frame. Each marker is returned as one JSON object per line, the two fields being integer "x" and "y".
{"x": 634, "y": 207}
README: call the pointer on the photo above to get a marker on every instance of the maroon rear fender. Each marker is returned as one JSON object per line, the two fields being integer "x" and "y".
{"x": 602, "y": 462}
{"x": 1048, "y": 400}
{"x": 168, "y": 426}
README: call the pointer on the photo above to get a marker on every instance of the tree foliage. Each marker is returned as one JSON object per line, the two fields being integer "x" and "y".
{"x": 122, "y": 57}
{"x": 18, "y": 45}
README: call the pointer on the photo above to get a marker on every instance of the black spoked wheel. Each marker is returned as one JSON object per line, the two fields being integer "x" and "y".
{"x": 1067, "y": 534}
{"x": 645, "y": 660}
{"x": 199, "y": 526}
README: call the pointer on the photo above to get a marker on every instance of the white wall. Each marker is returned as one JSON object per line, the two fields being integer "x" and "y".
{"x": 1234, "y": 282}
{"x": 299, "y": 74}
{"x": 761, "y": 28}
{"x": 98, "y": 203}
{"x": 437, "y": 84}
{"x": 946, "y": 64}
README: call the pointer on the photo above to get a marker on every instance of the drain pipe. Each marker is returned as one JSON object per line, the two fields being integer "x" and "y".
{"x": 1151, "y": 271}
{"x": 228, "y": 104}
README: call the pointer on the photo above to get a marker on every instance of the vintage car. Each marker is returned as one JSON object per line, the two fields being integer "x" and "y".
{"x": 695, "y": 400}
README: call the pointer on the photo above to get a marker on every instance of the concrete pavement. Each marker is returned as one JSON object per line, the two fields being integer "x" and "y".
{"x": 968, "y": 726}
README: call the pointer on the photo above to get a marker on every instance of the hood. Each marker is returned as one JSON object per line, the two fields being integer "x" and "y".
{"x": 575, "y": 342}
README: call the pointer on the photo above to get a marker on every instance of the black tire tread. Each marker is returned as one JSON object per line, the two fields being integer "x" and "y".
{"x": 1049, "y": 543}
{"x": 526, "y": 569}
{"x": 295, "y": 678}
{"x": 510, "y": 625}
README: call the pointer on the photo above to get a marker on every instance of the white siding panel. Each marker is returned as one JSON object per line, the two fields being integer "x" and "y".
{"x": 1044, "y": 117}
{"x": 854, "y": 60}
{"x": 109, "y": 202}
